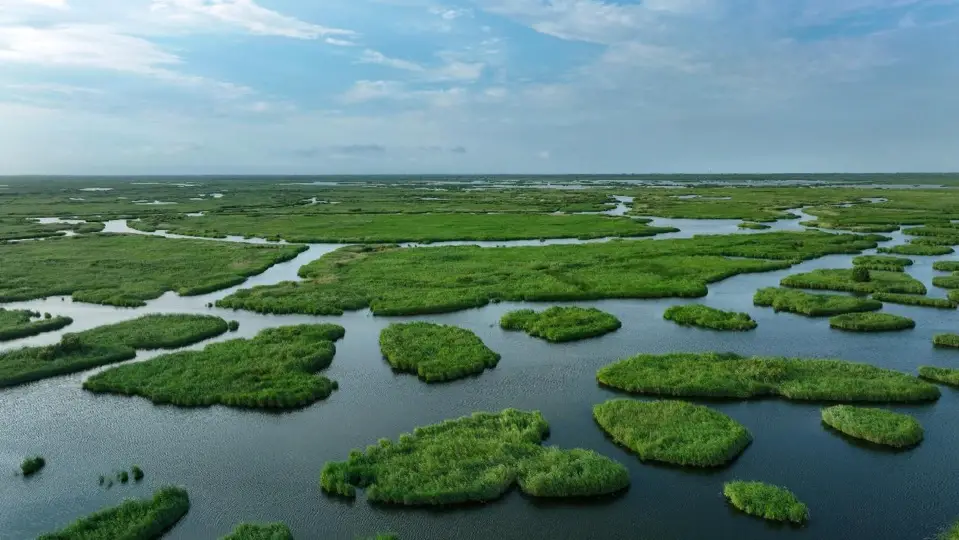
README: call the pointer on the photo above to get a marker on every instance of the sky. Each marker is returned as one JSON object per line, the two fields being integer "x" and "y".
{"x": 478, "y": 86}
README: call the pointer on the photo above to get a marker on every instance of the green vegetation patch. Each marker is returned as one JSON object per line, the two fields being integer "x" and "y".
{"x": 813, "y": 305}
{"x": 946, "y": 266}
{"x": 707, "y": 317}
{"x": 31, "y": 229}
{"x": 732, "y": 376}
{"x": 133, "y": 519}
{"x": 915, "y": 300}
{"x": 946, "y": 340}
{"x": 126, "y": 270}
{"x": 882, "y": 263}
{"x": 951, "y": 534}
{"x": 559, "y": 324}
{"x": 946, "y": 282}
{"x": 871, "y": 322}
{"x": 940, "y": 375}
{"x": 766, "y": 501}
{"x": 274, "y": 370}
{"x": 394, "y": 281}
{"x": 474, "y": 458}
{"x": 844, "y": 280}
{"x": 673, "y": 431}
{"x": 260, "y": 531}
{"x": 917, "y": 248}
{"x": 20, "y": 323}
{"x": 754, "y": 226}
{"x": 874, "y": 425}
{"x": 435, "y": 352}
{"x": 32, "y": 465}
{"x": 106, "y": 345}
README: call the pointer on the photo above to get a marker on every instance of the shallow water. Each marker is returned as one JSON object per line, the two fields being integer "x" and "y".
{"x": 248, "y": 466}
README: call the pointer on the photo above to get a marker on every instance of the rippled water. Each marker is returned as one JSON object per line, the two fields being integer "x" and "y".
{"x": 244, "y": 465}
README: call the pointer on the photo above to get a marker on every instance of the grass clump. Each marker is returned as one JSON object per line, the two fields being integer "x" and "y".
{"x": 274, "y": 370}
{"x": 946, "y": 266}
{"x": 260, "y": 531}
{"x": 106, "y": 345}
{"x": 946, "y": 340}
{"x": 435, "y": 352}
{"x": 123, "y": 477}
{"x": 32, "y": 465}
{"x": 20, "y": 323}
{"x": 766, "y": 501}
{"x": 946, "y": 282}
{"x": 917, "y": 248}
{"x": 845, "y": 280}
{"x": 812, "y": 305}
{"x": 750, "y": 225}
{"x": 707, "y": 317}
{"x": 940, "y": 375}
{"x": 871, "y": 322}
{"x": 134, "y": 519}
{"x": 673, "y": 431}
{"x": 915, "y": 300}
{"x": 474, "y": 458}
{"x": 951, "y": 534}
{"x": 874, "y": 425}
{"x": 713, "y": 375}
{"x": 137, "y": 473}
{"x": 560, "y": 324}
{"x": 882, "y": 263}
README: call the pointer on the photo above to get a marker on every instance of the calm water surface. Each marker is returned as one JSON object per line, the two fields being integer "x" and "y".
{"x": 254, "y": 466}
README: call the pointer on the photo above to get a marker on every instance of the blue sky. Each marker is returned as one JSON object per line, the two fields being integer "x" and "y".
{"x": 478, "y": 86}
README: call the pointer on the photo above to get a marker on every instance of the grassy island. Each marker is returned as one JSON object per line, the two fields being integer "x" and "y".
{"x": 19, "y": 323}
{"x": 260, "y": 531}
{"x": 133, "y": 519}
{"x": 274, "y": 370}
{"x": 946, "y": 266}
{"x": 871, "y": 322}
{"x": 915, "y": 300}
{"x": 946, "y": 340}
{"x": 812, "y": 305}
{"x": 917, "y": 248}
{"x": 843, "y": 280}
{"x": 751, "y": 225}
{"x": 673, "y": 432}
{"x": 882, "y": 263}
{"x": 766, "y": 501}
{"x": 32, "y": 465}
{"x": 874, "y": 425}
{"x": 951, "y": 534}
{"x": 559, "y": 324}
{"x": 945, "y": 376}
{"x": 474, "y": 458}
{"x": 435, "y": 352}
{"x": 711, "y": 318}
{"x": 106, "y": 345}
{"x": 946, "y": 282}
{"x": 714, "y": 375}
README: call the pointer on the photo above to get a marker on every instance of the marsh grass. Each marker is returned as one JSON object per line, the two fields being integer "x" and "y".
{"x": 915, "y": 300}
{"x": 871, "y": 322}
{"x": 137, "y": 473}
{"x": 561, "y": 324}
{"x": 874, "y": 425}
{"x": 946, "y": 266}
{"x": 274, "y": 370}
{"x": 19, "y": 323}
{"x": 766, "y": 501}
{"x": 260, "y": 531}
{"x": 673, "y": 432}
{"x": 844, "y": 280}
{"x": 946, "y": 282}
{"x": 882, "y": 263}
{"x": 436, "y": 353}
{"x": 917, "y": 248}
{"x": 32, "y": 465}
{"x": 813, "y": 305}
{"x": 134, "y": 519}
{"x": 713, "y": 375}
{"x": 945, "y": 376}
{"x": 946, "y": 340}
{"x": 952, "y": 533}
{"x": 711, "y": 318}
{"x": 473, "y": 459}
{"x": 750, "y": 225}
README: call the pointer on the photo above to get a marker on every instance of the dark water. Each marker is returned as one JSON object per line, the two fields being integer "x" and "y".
{"x": 253, "y": 466}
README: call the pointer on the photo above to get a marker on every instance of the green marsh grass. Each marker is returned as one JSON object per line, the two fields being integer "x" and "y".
{"x": 813, "y": 305}
{"x": 754, "y": 226}
{"x": 915, "y": 300}
{"x": 844, "y": 280}
{"x": 134, "y": 519}
{"x": 946, "y": 266}
{"x": 766, "y": 501}
{"x": 946, "y": 340}
{"x": 19, "y": 323}
{"x": 917, "y": 248}
{"x": 561, "y": 324}
{"x": 713, "y": 375}
{"x": 711, "y": 318}
{"x": 945, "y": 376}
{"x": 274, "y": 370}
{"x": 123, "y": 477}
{"x": 950, "y": 534}
{"x": 874, "y": 425}
{"x": 137, "y": 473}
{"x": 673, "y": 432}
{"x": 436, "y": 353}
{"x": 882, "y": 263}
{"x": 871, "y": 322}
{"x": 476, "y": 458}
{"x": 260, "y": 531}
{"x": 946, "y": 282}
{"x": 32, "y": 465}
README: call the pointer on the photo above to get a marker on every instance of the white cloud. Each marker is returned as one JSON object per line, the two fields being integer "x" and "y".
{"x": 375, "y": 57}
{"x": 363, "y": 91}
{"x": 248, "y": 15}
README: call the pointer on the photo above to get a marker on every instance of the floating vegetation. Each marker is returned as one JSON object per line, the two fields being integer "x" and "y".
{"x": 945, "y": 376}
{"x": 474, "y": 458}
{"x": 434, "y": 352}
{"x": 19, "y": 323}
{"x": 274, "y": 370}
{"x": 874, "y": 425}
{"x": 123, "y": 477}
{"x": 871, "y": 322}
{"x": 32, "y": 465}
{"x": 882, "y": 263}
{"x": 560, "y": 324}
{"x": 260, "y": 531}
{"x": 137, "y": 473}
{"x": 766, "y": 501}
{"x": 916, "y": 248}
{"x": 813, "y": 305}
{"x": 915, "y": 300}
{"x": 732, "y": 376}
{"x": 754, "y": 226}
{"x": 673, "y": 431}
{"x": 711, "y": 318}
{"x": 137, "y": 519}
{"x": 106, "y": 345}
{"x": 844, "y": 280}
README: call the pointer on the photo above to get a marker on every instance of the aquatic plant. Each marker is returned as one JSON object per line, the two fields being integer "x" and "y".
{"x": 233, "y": 326}
{"x": 946, "y": 282}
{"x": 916, "y": 248}
{"x": 673, "y": 431}
{"x": 812, "y": 305}
{"x": 946, "y": 266}
{"x": 754, "y": 226}
{"x": 871, "y": 322}
{"x": 32, "y": 465}
{"x": 19, "y": 323}
{"x": 707, "y": 317}
{"x": 950, "y": 534}
{"x": 123, "y": 477}
{"x": 882, "y": 263}
{"x": 860, "y": 274}
{"x": 474, "y": 458}
{"x": 874, "y": 425}
{"x": 134, "y": 519}
{"x": 434, "y": 352}
{"x": 915, "y": 300}
{"x": 843, "y": 280}
{"x": 274, "y": 370}
{"x": 945, "y": 376}
{"x": 732, "y": 376}
{"x": 946, "y": 340}
{"x": 260, "y": 531}
{"x": 766, "y": 501}
{"x": 137, "y": 473}
{"x": 561, "y": 324}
